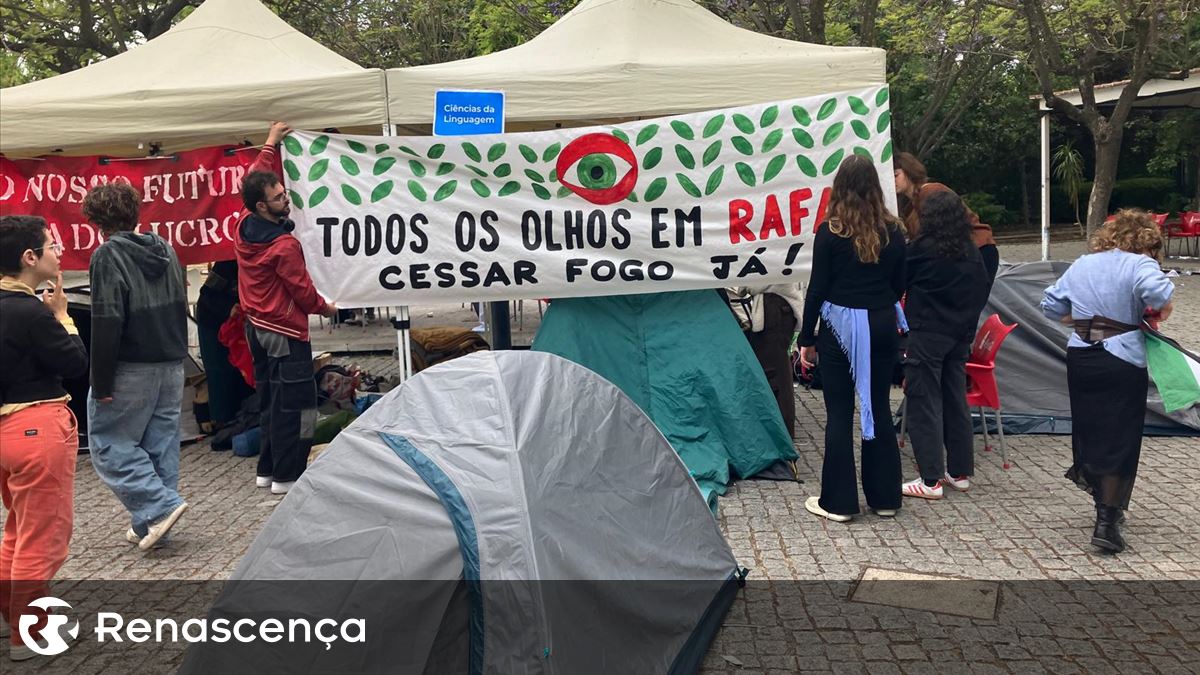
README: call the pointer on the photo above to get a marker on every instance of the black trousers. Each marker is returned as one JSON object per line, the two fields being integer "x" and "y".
{"x": 770, "y": 345}
{"x": 935, "y": 373}
{"x": 880, "y": 456}
{"x": 283, "y": 374}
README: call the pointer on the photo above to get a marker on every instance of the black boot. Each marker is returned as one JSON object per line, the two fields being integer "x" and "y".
{"x": 1107, "y": 535}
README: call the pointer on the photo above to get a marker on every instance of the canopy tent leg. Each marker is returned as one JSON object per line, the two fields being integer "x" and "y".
{"x": 1045, "y": 161}
{"x": 402, "y": 322}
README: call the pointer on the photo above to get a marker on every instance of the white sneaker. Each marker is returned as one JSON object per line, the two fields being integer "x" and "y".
{"x": 962, "y": 483}
{"x": 162, "y": 527}
{"x": 885, "y": 513}
{"x": 23, "y": 653}
{"x": 262, "y": 481}
{"x": 133, "y": 538}
{"x": 813, "y": 506}
{"x": 281, "y": 488}
{"x": 918, "y": 488}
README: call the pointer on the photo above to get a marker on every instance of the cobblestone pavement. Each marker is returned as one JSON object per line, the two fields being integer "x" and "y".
{"x": 1063, "y": 608}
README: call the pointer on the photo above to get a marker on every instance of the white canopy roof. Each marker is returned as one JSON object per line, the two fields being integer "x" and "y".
{"x": 631, "y": 58}
{"x": 221, "y": 74}
{"x": 1160, "y": 93}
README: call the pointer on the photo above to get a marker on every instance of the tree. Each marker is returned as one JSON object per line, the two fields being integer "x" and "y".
{"x": 1083, "y": 41}
{"x": 1068, "y": 170}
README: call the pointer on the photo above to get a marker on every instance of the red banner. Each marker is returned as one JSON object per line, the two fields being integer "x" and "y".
{"x": 192, "y": 199}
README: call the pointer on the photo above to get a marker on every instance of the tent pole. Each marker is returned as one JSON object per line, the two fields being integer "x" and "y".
{"x": 1045, "y": 162}
{"x": 402, "y": 322}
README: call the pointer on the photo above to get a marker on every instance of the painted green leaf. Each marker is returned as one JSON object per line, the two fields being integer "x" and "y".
{"x": 621, "y": 135}
{"x": 806, "y": 166}
{"x": 318, "y": 196}
{"x": 714, "y": 125}
{"x": 742, "y": 145}
{"x": 380, "y": 147}
{"x": 471, "y": 151}
{"x": 774, "y": 167}
{"x": 408, "y": 150}
{"x": 652, "y": 158}
{"x": 349, "y": 165}
{"x": 632, "y": 197}
{"x": 293, "y": 146}
{"x": 480, "y": 188}
{"x": 382, "y": 190}
{"x": 768, "y": 117}
{"x": 682, "y": 130}
{"x": 743, "y": 123}
{"x": 746, "y": 173}
{"x": 541, "y": 191}
{"x": 860, "y": 150}
{"x": 881, "y": 97}
{"x": 528, "y": 153}
{"x": 553, "y": 176}
{"x": 646, "y": 134}
{"x": 292, "y": 171}
{"x": 803, "y": 138}
{"x": 436, "y": 151}
{"x": 657, "y": 187}
{"x": 563, "y": 191}
{"x": 860, "y": 129}
{"x": 497, "y": 151}
{"x": 318, "y": 145}
{"x": 478, "y": 171}
{"x": 382, "y": 165}
{"x": 356, "y": 146}
{"x": 351, "y": 195}
{"x": 833, "y": 162}
{"x": 801, "y": 115}
{"x": 827, "y": 109}
{"x": 417, "y": 191}
{"x": 714, "y": 180}
{"x": 445, "y": 191}
{"x": 551, "y": 152}
{"x": 685, "y": 157}
{"x": 857, "y": 105}
{"x": 711, "y": 152}
{"x": 509, "y": 188}
{"x": 445, "y": 168}
{"x": 687, "y": 185}
{"x": 296, "y": 200}
{"x": 534, "y": 176}
{"x": 502, "y": 171}
{"x": 772, "y": 140}
{"x": 418, "y": 168}
{"x": 884, "y": 120}
{"x": 318, "y": 169}
{"x": 833, "y": 133}
{"x": 887, "y": 152}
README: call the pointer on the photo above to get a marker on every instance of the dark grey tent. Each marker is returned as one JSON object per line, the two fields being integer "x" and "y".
{"x": 1031, "y": 368}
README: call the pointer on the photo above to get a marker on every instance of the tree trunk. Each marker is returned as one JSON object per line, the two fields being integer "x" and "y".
{"x": 1108, "y": 151}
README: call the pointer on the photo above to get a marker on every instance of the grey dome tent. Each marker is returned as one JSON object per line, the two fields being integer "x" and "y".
{"x": 505, "y": 512}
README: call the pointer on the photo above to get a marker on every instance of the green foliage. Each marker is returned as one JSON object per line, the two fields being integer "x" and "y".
{"x": 984, "y": 205}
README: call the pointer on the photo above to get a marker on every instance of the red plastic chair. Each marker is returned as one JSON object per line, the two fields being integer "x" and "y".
{"x": 982, "y": 391}
{"x": 1187, "y": 229}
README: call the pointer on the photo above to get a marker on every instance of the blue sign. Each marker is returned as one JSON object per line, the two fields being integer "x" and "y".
{"x": 465, "y": 113}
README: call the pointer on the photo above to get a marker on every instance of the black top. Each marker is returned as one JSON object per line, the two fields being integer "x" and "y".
{"x": 36, "y": 350}
{"x": 218, "y": 295}
{"x": 945, "y": 295}
{"x": 839, "y": 277}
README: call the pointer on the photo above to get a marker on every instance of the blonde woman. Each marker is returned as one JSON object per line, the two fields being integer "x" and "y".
{"x": 1103, "y": 296}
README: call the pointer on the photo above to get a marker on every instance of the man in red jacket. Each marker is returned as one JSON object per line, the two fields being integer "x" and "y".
{"x": 277, "y": 296}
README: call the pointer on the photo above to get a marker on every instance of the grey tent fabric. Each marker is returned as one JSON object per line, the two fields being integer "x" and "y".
{"x": 1031, "y": 367}
{"x": 507, "y": 512}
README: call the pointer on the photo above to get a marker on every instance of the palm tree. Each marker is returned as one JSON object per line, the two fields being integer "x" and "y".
{"x": 1068, "y": 168}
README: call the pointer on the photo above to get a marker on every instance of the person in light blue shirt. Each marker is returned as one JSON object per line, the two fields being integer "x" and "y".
{"x": 1104, "y": 296}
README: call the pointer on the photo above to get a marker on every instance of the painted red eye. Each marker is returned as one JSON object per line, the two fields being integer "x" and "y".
{"x": 588, "y": 167}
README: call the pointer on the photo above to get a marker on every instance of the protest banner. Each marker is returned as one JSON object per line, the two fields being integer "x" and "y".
{"x": 191, "y": 199}
{"x": 728, "y": 197}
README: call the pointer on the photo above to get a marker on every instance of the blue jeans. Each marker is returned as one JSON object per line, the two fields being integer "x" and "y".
{"x": 135, "y": 439}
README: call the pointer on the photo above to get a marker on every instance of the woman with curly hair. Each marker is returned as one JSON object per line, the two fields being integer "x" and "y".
{"x": 1103, "y": 296}
{"x": 856, "y": 281}
{"x": 947, "y": 289}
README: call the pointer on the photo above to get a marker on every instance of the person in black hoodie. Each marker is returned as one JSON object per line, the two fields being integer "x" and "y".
{"x": 947, "y": 287}
{"x": 39, "y": 440}
{"x": 139, "y": 340}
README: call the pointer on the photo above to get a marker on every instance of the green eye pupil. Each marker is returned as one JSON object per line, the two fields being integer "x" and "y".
{"x": 597, "y": 171}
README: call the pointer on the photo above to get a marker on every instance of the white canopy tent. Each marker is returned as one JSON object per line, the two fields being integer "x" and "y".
{"x": 219, "y": 76}
{"x": 620, "y": 59}
{"x": 1156, "y": 93}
